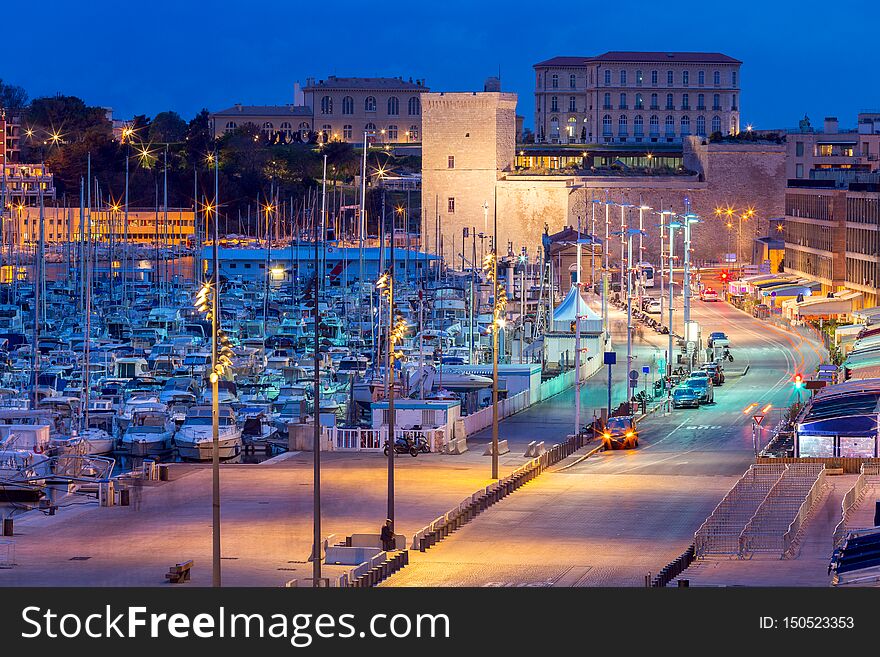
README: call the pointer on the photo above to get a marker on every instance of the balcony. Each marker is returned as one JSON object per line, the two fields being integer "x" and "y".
{"x": 716, "y": 108}
{"x": 655, "y": 107}
{"x": 608, "y": 107}
{"x": 622, "y": 107}
{"x": 670, "y": 107}
{"x": 701, "y": 108}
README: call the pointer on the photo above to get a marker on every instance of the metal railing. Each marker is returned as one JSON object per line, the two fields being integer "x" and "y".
{"x": 852, "y": 499}
{"x": 721, "y": 531}
{"x": 816, "y": 491}
{"x": 794, "y": 494}
{"x": 373, "y": 440}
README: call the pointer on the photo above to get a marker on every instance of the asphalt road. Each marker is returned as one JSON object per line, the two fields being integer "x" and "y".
{"x": 612, "y": 519}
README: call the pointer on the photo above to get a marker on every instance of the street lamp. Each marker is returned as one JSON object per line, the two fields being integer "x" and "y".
{"x": 499, "y": 297}
{"x": 397, "y": 328}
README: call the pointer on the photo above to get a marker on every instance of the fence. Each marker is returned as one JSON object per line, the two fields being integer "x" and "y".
{"x": 673, "y": 569}
{"x": 852, "y": 498}
{"x": 779, "y": 518}
{"x": 557, "y": 384}
{"x": 506, "y": 407}
{"x": 850, "y": 465}
{"x": 373, "y": 440}
{"x": 720, "y": 532}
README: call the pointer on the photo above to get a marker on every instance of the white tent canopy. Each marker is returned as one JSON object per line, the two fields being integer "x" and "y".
{"x": 564, "y": 314}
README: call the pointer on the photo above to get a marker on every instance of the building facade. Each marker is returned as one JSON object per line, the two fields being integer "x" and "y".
{"x": 470, "y": 174}
{"x": 388, "y": 109}
{"x": 21, "y": 184}
{"x": 634, "y": 97}
{"x": 468, "y": 145}
{"x": 63, "y": 224}
{"x": 832, "y": 234}
{"x": 10, "y": 129}
{"x": 282, "y": 122}
{"x": 832, "y": 149}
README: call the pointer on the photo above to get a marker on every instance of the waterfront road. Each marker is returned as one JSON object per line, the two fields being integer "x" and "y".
{"x": 613, "y": 518}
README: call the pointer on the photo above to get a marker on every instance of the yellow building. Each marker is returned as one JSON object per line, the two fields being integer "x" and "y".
{"x": 62, "y": 224}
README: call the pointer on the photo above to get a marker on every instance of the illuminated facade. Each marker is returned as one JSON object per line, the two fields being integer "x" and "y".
{"x": 635, "y": 97}
{"x": 63, "y": 224}
{"x": 345, "y": 108}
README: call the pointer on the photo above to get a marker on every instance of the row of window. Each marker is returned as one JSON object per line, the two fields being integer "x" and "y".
{"x": 811, "y": 236}
{"x": 639, "y": 102}
{"x": 391, "y": 132}
{"x": 862, "y": 240}
{"x": 808, "y": 205}
{"x": 639, "y": 78}
{"x": 809, "y": 263}
{"x": 654, "y": 125}
{"x": 863, "y": 210}
{"x": 670, "y": 78}
{"x": 414, "y": 105}
{"x": 861, "y": 272}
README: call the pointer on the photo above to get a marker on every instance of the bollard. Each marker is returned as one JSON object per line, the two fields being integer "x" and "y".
{"x": 684, "y": 583}
{"x": 8, "y": 526}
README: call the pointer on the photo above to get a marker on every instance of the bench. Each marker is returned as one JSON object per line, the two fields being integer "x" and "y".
{"x": 179, "y": 573}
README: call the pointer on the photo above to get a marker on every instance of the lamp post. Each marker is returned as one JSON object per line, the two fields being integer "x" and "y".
{"x": 397, "y": 327}
{"x": 499, "y": 303}
{"x": 640, "y": 282}
{"x": 672, "y": 226}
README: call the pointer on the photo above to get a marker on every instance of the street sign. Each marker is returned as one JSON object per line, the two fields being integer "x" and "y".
{"x": 610, "y": 358}
{"x": 758, "y": 418}
{"x": 633, "y": 375}
{"x": 814, "y": 385}
{"x": 633, "y": 383}
{"x": 691, "y": 347}
{"x": 646, "y": 369}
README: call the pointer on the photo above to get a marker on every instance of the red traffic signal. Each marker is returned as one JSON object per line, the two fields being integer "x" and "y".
{"x": 724, "y": 276}
{"x": 798, "y": 381}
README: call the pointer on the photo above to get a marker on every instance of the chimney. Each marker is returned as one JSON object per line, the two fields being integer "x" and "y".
{"x": 831, "y": 125}
{"x": 298, "y": 96}
{"x": 238, "y": 106}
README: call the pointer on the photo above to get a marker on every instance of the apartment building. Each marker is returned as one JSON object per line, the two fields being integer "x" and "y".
{"x": 635, "y": 97}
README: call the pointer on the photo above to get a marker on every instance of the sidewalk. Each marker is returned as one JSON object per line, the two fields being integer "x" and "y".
{"x": 266, "y": 519}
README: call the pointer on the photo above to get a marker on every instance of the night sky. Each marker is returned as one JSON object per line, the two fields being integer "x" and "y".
{"x": 808, "y": 57}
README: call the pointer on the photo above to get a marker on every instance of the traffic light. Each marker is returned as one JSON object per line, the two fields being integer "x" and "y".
{"x": 798, "y": 381}
{"x": 725, "y": 276}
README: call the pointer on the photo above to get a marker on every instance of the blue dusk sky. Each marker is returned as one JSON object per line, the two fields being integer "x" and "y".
{"x": 806, "y": 57}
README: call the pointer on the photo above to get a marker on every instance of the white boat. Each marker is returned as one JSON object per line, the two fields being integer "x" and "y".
{"x": 195, "y": 438}
{"x": 97, "y": 441}
{"x": 149, "y": 433}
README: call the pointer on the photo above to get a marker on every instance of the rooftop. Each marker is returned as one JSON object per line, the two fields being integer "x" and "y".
{"x": 265, "y": 110}
{"x": 398, "y": 83}
{"x": 650, "y": 57}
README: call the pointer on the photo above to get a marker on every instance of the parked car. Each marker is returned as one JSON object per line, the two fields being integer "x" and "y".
{"x": 653, "y": 306}
{"x": 703, "y": 387}
{"x": 685, "y": 396}
{"x": 620, "y": 432}
{"x": 715, "y": 372}
{"x": 709, "y": 295}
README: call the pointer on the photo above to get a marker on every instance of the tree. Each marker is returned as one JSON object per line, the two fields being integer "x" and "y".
{"x": 167, "y": 128}
{"x": 12, "y": 98}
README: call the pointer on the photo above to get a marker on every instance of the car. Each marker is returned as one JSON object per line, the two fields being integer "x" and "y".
{"x": 709, "y": 295}
{"x": 653, "y": 307}
{"x": 703, "y": 386}
{"x": 719, "y": 339}
{"x": 715, "y": 372}
{"x": 620, "y": 432}
{"x": 685, "y": 396}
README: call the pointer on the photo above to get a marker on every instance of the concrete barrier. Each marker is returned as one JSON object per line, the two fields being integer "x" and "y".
{"x": 350, "y": 556}
{"x": 502, "y": 448}
{"x": 534, "y": 449}
{"x": 375, "y": 541}
{"x": 457, "y": 445}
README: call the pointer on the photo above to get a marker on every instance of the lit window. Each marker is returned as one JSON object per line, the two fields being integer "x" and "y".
{"x": 346, "y": 132}
{"x": 450, "y": 205}
{"x": 392, "y": 133}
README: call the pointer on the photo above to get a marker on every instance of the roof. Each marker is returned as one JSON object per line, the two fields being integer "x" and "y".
{"x": 678, "y": 57}
{"x": 652, "y": 57}
{"x": 334, "y": 82}
{"x": 265, "y": 110}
